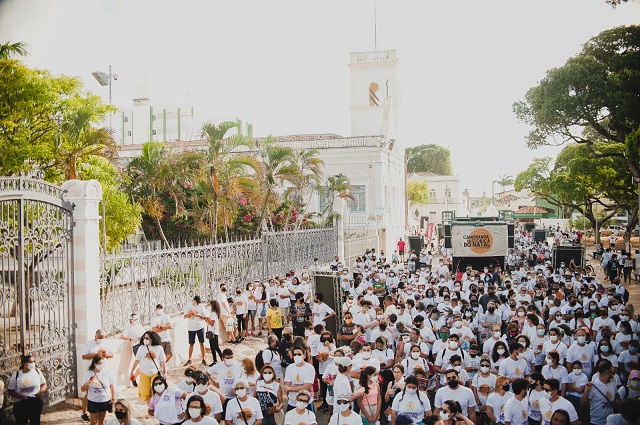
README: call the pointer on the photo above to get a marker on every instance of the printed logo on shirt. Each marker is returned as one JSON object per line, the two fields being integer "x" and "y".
{"x": 245, "y": 414}
{"x": 517, "y": 372}
{"x": 229, "y": 374}
{"x": 298, "y": 378}
{"x": 411, "y": 405}
{"x": 536, "y": 404}
{"x": 585, "y": 357}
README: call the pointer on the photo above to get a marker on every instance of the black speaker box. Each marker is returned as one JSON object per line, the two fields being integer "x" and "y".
{"x": 326, "y": 284}
{"x": 566, "y": 253}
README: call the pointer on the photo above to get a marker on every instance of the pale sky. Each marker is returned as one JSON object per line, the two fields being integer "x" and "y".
{"x": 282, "y": 65}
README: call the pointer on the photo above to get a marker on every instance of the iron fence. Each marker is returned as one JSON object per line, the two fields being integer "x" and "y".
{"x": 135, "y": 282}
{"x": 357, "y": 239}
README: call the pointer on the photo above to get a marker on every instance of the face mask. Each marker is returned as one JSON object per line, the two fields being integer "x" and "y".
{"x": 373, "y": 378}
{"x": 592, "y": 307}
{"x": 223, "y": 289}
{"x": 369, "y": 292}
{"x": 383, "y": 326}
{"x": 267, "y": 376}
{"x": 491, "y": 309}
{"x": 120, "y": 414}
{"x": 578, "y": 372}
{"x": 300, "y": 359}
{"x": 344, "y": 407}
{"x": 467, "y": 314}
{"x": 228, "y": 362}
{"x": 365, "y": 355}
{"x": 604, "y": 348}
{"x": 201, "y": 388}
{"x": 547, "y": 395}
{"x": 159, "y": 388}
{"x": 453, "y": 383}
{"x": 453, "y": 345}
{"x": 412, "y": 391}
{"x": 634, "y": 384}
{"x": 445, "y": 416}
{"x": 457, "y": 323}
{"x": 484, "y": 369}
{"x": 31, "y": 365}
{"x": 415, "y": 355}
{"x": 633, "y": 349}
{"x": 241, "y": 393}
{"x": 97, "y": 366}
{"x": 521, "y": 314}
{"x": 505, "y": 387}
{"x": 301, "y": 405}
{"x": 457, "y": 368}
{"x": 624, "y": 318}
{"x": 500, "y": 351}
{"x": 540, "y": 332}
{"x": 582, "y": 339}
{"x": 146, "y": 342}
{"x": 158, "y": 312}
{"x": 548, "y": 361}
{"x": 496, "y": 334}
{"x": 553, "y": 338}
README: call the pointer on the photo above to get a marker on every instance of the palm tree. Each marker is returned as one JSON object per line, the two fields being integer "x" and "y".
{"x": 337, "y": 186}
{"x": 149, "y": 173}
{"x": 80, "y": 140}
{"x": 504, "y": 181}
{"x": 276, "y": 167}
{"x": 222, "y": 151}
{"x": 9, "y": 50}
{"x": 308, "y": 175}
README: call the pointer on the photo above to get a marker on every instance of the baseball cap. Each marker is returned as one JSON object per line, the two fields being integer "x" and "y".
{"x": 343, "y": 361}
{"x": 635, "y": 374}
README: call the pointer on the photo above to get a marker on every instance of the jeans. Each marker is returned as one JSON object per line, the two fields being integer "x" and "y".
{"x": 28, "y": 411}
{"x": 215, "y": 348}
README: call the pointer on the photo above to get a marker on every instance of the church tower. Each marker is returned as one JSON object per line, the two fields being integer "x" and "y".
{"x": 374, "y": 93}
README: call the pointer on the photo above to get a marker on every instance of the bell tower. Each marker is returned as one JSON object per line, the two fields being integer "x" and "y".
{"x": 374, "y": 93}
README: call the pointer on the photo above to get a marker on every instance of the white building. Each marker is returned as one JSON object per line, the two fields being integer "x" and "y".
{"x": 371, "y": 158}
{"x": 445, "y": 194}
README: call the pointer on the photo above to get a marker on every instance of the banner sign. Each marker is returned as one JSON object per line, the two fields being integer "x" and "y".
{"x": 429, "y": 233}
{"x": 483, "y": 241}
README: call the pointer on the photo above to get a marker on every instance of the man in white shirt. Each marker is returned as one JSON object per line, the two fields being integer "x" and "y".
{"x": 321, "y": 311}
{"x": 514, "y": 367}
{"x": 225, "y": 308}
{"x": 456, "y": 391}
{"x": 160, "y": 324}
{"x": 298, "y": 376}
{"x": 580, "y": 351}
{"x": 195, "y": 314}
{"x": 516, "y": 409}
{"x": 224, "y": 374}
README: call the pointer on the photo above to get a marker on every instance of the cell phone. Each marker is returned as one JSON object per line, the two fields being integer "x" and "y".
{"x": 423, "y": 383}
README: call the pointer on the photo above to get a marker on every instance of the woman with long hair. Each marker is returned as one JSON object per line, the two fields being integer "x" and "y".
{"x": 497, "y": 399}
{"x": 260, "y": 294}
{"x": 27, "y": 386}
{"x": 409, "y": 403}
{"x": 269, "y": 394}
{"x": 152, "y": 361}
{"x": 451, "y": 413}
{"x": 98, "y": 385}
{"x": 213, "y": 331}
{"x": 498, "y": 354}
{"x": 166, "y": 403}
{"x": 251, "y": 375}
{"x": 371, "y": 402}
{"x": 123, "y": 414}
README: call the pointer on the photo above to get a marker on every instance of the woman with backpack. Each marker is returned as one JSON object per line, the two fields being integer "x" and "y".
{"x": 26, "y": 386}
{"x": 269, "y": 394}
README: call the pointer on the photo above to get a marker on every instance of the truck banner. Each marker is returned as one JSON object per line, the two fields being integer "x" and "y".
{"x": 484, "y": 241}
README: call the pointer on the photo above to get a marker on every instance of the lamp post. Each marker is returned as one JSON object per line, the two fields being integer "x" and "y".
{"x": 105, "y": 80}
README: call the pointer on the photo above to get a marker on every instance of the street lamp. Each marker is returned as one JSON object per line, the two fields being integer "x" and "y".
{"x": 105, "y": 80}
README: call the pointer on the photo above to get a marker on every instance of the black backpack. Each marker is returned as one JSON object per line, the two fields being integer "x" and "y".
{"x": 259, "y": 361}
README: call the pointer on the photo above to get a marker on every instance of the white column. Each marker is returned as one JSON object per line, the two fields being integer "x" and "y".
{"x": 340, "y": 209}
{"x": 86, "y": 196}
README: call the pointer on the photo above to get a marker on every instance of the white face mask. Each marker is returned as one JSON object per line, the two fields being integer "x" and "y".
{"x": 521, "y": 314}
{"x": 412, "y": 391}
{"x": 241, "y": 393}
{"x": 496, "y": 334}
{"x": 540, "y": 332}
{"x": 194, "y": 412}
{"x": 457, "y": 323}
{"x": 457, "y": 368}
{"x": 159, "y": 388}
{"x": 577, "y": 372}
{"x": 445, "y": 416}
{"x": 548, "y": 361}
{"x": 373, "y": 378}
{"x": 301, "y": 405}
{"x": 500, "y": 351}
{"x": 553, "y": 338}
{"x": 298, "y": 359}
{"x": 228, "y": 362}
{"x": 146, "y": 342}
{"x": 547, "y": 395}
{"x": 267, "y": 376}
{"x": 484, "y": 369}
{"x": 31, "y": 365}
{"x": 201, "y": 388}
{"x": 366, "y": 355}
{"x": 344, "y": 407}
{"x": 415, "y": 355}
{"x": 159, "y": 312}
{"x": 453, "y": 345}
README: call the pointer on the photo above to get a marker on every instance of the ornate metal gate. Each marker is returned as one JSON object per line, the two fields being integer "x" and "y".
{"x": 36, "y": 282}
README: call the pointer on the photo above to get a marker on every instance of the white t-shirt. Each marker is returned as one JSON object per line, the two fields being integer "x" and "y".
{"x": 352, "y": 419}
{"x": 195, "y": 323}
{"x": 579, "y": 381}
{"x": 226, "y": 376}
{"x": 283, "y": 302}
{"x": 26, "y": 383}
{"x": 560, "y": 373}
{"x": 133, "y": 332}
{"x": 93, "y": 346}
{"x": 320, "y": 311}
{"x": 584, "y": 354}
{"x": 210, "y": 398}
{"x": 534, "y": 404}
{"x": 547, "y": 408}
{"x": 484, "y": 387}
{"x": 206, "y": 420}
{"x": 98, "y": 390}
{"x": 516, "y": 411}
{"x": 249, "y": 413}
{"x": 134, "y": 421}
{"x": 513, "y": 368}
{"x": 242, "y": 304}
{"x": 411, "y": 406}
{"x": 215, "y": 328}
{"x": 497, "y": 402}
{"x": 293, "y": 418}
{"x": 298, "y": 375}
{"x": 162, "y": 320}
{"x": 146, "y": 359}
{"x": 558, "y": 346}
{"x": 461, "y": 394}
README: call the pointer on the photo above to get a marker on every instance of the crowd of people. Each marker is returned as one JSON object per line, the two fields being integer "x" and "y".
{"x": 511, "y": 344}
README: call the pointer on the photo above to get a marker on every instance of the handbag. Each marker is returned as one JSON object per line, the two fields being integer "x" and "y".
{"x": 136, "y": 348}
{"x": 209, "y": 335}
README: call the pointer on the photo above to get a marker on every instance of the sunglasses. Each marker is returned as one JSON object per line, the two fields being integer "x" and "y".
{"x": 303, "y": 401}
{"x": 241, "y": 388}
{"x": 343, "y": 402}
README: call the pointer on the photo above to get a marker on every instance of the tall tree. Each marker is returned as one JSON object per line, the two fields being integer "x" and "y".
{"x": 10, "y": 50}
{"x": 429, "y": 158}
{"x": 337, "y": 186}
{"x": 504, "y": 181}
{"x": 418, "y": 192}
{"x": 308, "y": 175}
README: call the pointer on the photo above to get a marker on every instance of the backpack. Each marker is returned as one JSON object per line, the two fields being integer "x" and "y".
{"x": 625, "y": 295}
{"x": 259, "y": 361}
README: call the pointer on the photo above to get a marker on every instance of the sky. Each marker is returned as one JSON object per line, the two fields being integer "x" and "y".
{"x": 282, "y": 65}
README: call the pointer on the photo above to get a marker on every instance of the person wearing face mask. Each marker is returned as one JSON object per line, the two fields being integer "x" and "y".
{"x": 225, "y": 373}
{"x": 152, "y": 361}
{"x": 26, "y": 386}
{"x": 212, "y": 400}
{"x": 575, "y": 387}
{"x": 95, "y": 347}
{"x": 554, "y": 370}
{"x": 383, "y": 331}
{"x": 481, "y": 385}
{"x": 188, "y": 384}
{"x": 98, "y": 385}
{"x": 366, "y": 359}
{"x": 628, "y": 356}
{"x": 344, "y": 415}
{"x": 497, "y": 400}
{"x": 491, "y": 318}
{"x": 269, "y": 394}
{"x": 555, "y": 344}
{"x": 552, "y": 401}
{"x": 515, "y": 366}
{"x": 132, "y": 333}
{"x": 600, "y": 394}
{"x": 455, "y": 390}
{"x": 632, "y": 389}
{"x": 410, "y": 404}
{"x": 516, "y": 409}
{"x": 244, "y": 409}
{"x": 582, "y": 352}
{"x": 123, "y": 414}
{"x": 298, "y": 376}
{"x": 301, "y": 415}
{"x": 161, "y": 324}
{"x": 196, "y": 412}
{"x": 496, "y": 335}
{"x": 371, "y": 401}
{"x": 443, "y": 358}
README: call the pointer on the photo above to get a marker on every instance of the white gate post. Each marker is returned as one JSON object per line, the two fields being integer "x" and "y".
{"x": 86, "y": 196}
{"x": 339, "y": 208}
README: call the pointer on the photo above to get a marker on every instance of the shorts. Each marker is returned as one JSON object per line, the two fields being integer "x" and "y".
{"x": 251, "y": 313}
{"x": 192, "y": 336}
{"x": 168, "y": 349}
{"x": 97, "y": 407}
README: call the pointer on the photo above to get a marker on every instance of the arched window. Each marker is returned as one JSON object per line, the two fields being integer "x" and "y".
{"x": 373, "y": 94}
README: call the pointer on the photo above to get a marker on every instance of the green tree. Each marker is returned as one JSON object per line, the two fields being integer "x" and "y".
{"x": 10, "y": 50}
{"x": 592, "y": 101}
{"x": 337, "y": 186}
{"x": 308, "y": 175}
{"x": 418, "y": 192}
{"x": 504, "y": 181}
{"x": 429, "y": 158}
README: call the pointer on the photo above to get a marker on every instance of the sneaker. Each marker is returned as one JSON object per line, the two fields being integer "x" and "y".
{"x": 188, "y": 363}
{"x": 213, "y": 364}
{"x": 204, "y": 362}
{"x": 85, "y": 417}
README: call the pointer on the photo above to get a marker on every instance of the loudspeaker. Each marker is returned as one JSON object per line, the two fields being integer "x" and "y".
{"x": 539, "y": 235}
{"x": 564, "y": 254}
{"x": 529, "y": 227}
{"x": 416, "y": 243}
{"x": 327, "y": 285}
{"x": 447, "y": 236}
{"x": 510, "y": 235}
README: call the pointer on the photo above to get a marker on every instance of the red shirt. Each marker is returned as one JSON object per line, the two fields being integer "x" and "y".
{"x": 401, "y": 246}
